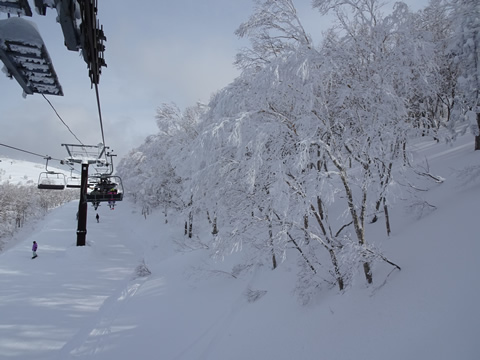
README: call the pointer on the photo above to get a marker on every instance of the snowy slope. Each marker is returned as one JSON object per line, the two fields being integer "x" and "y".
{"x": 20, "y": 172}
{"x": 92, "y": 302}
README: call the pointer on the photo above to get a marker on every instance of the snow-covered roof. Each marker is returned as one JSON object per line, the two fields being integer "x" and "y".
{"x": 25, "y": 57}
{"x": 18, "y": 29}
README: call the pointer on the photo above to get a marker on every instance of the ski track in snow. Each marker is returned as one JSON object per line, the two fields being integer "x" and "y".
{"x": 62, "y": 274}
{"x": 92, "y": 340}
{"x": 202, "y": 347}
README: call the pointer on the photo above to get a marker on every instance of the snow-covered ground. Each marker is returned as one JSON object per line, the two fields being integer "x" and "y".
{"x": 95, "y": 302}
{"x": 20, "y": 172}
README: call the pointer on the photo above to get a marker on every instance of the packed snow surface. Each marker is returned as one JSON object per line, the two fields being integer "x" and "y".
{"x": 129, "y": 294}
{"x": 20, "y": 172}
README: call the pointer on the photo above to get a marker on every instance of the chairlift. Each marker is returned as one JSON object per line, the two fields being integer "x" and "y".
{"x": 104, "y": 188}
{"x": 74, "y": 182}
{"x": 51, "y": 180}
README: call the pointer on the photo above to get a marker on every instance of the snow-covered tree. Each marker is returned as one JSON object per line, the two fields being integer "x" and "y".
{"x": 437, "y": 100}
{"x": 151, "y": 173}
{"x": 304, "y": 146}
{"x": 368, "y": 101}
{"x": 274, "y": 30}
{"x": 20, "y": 204}
{"x": 465, "y": 47}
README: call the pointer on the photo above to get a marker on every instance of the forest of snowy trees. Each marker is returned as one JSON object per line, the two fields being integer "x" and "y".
{"x": 20, "y": 204}
{"x": 311, "y": 142}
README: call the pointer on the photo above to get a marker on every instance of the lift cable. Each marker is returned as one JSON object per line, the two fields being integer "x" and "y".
{"x": 100, "y": 114}
{"x": 31, "y": 153}
{"x": 58, "y": 115}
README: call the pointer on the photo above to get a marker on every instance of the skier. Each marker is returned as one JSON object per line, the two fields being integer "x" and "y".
{"x": 98, "y": 218}
{"x": 34, "y": 250}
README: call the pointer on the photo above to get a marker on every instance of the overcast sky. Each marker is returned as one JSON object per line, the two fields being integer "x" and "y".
{"x": 178, "y": 51}
{"x": 156, "y": 51}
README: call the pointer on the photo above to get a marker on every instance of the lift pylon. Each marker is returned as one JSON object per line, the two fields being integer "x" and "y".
{"x": 84, "y": 155}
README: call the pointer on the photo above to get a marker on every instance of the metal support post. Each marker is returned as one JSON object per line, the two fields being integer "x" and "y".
{"x": 82, "y": 208}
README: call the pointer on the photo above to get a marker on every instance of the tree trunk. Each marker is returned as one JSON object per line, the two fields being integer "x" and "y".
{"x": 297, "y": 246}
{"x": 213, "y": 222}
{"x": 305, "y": 225}
{"x": 477, "y": 138}
{"x": 358, "y": 220}
{"x": 301, "y": 253}
{"x": 333, "y": 257}
{"x": 215, "y": 228}
{"x": 190, "y": 225}
{"x": 368, "y": 272}
{"x": 387, "y": 217}
{"x": 338, "y": 275}
{"x": 270, "y": 234}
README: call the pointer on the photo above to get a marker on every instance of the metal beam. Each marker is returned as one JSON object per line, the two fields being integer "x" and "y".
{"x": 18, "y": 7}
{"x": 13, "y": 71}
{"x": 82, "y": 208}
{"x": 92, "y": 37}
{"x": 26, "y": 59}
{"x": 83, "y": 33}
{"x": 41, "y": 7}
{"x": 68, "y": 22}
{"x": 86, "y": 154}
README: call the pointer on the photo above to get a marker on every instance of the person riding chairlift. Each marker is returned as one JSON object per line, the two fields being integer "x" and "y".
{"x": 111, "y": 201}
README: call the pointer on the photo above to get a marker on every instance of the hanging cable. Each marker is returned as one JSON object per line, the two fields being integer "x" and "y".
{"x": 31, "y": 153}
{"x": 100, "y": 114}
{"x": 101, "y": 121}
{"x": 58, "y": 115}
{"x": 25, "y": 151}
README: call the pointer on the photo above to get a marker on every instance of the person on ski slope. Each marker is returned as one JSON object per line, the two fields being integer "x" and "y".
{"x": 98, "y": 218}
{"x": 34, "y": 250}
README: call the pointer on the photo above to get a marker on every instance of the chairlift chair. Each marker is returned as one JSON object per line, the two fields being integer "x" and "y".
{"x": 51, "y": 180}
{"x": 104, "y": 188}
{"x": 73, "y": 182}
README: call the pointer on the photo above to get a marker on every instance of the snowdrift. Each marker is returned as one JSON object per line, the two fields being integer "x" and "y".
{"x": 130, "y": 294}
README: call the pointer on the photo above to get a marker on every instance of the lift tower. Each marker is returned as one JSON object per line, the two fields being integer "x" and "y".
{"x": 84, "y": 155}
